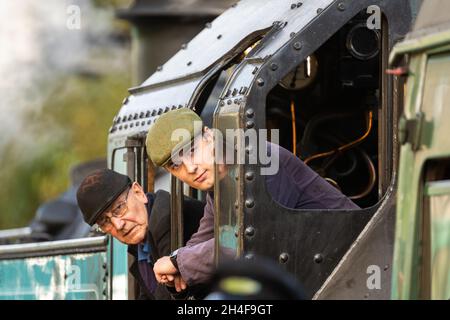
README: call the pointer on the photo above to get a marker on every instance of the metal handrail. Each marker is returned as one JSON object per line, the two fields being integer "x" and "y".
{"x": 15, "y": 233}
{"x": 54, "y": 247}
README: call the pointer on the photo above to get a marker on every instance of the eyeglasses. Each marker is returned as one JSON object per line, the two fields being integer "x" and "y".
{"x": 104, "y": 221}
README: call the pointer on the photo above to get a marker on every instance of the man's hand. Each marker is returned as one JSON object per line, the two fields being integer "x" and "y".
{"x": 180, "y": 284}
{"x": 164, "y": 270}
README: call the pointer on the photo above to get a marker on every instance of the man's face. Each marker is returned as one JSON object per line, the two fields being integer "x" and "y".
{"x": 126, "y": 219}
{"x": 197, "y": 166}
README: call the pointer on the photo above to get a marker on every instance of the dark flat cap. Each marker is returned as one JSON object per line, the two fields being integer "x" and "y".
{"x": 98, "y": 191}
{"x": 160, "y": 144}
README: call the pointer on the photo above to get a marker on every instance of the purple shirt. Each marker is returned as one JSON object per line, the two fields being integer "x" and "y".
{"x": 295, "y": 185}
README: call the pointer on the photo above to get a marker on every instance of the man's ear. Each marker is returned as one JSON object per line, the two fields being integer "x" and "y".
{"x": 139, "y": 191}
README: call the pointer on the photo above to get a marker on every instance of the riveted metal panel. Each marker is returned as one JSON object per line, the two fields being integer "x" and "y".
{"x": 222, "y": 35}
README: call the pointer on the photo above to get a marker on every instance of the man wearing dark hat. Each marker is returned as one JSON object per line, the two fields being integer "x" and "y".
{"x": 294, "y": 185}
{"x": 121, "y": 208}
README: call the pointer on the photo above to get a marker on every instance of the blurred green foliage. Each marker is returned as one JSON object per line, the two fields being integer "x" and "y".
{"x": 79, "y": 112}
{"x": 71, "y": 127}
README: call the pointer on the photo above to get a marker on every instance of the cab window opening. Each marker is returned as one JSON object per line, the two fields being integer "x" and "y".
{"x": 327, "y": 110}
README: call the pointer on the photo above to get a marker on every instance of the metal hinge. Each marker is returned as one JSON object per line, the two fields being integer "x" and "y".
{"x": 409, "y": 130}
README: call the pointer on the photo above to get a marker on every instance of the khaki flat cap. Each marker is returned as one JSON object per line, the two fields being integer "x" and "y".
{"x": 170, "y": 133}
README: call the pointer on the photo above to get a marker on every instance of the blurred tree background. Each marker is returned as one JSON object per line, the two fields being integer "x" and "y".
{"x": 70, "y": 126}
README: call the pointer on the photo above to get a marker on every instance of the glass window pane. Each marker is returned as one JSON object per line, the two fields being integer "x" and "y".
{"x": 440, "y": 246}
{"x": 119, "y": 164}
{"x": 227, "y": 171}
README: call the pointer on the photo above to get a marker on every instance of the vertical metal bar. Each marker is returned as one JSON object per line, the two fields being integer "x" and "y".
{"x": 129, "y": 158}
{"x": 385, "y": 117}
{"x": 180, "y": 220}
{"x": 176, "y": 214}
{"x": 138, "y": 165}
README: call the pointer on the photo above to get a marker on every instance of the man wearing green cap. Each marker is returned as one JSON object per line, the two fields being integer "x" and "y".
{"x": 178, "y": 142}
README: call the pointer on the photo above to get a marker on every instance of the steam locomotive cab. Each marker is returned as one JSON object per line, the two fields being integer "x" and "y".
{"x": 314, "y": 71}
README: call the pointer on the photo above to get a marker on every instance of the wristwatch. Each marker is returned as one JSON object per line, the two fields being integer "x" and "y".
{"x": 173, "y": 258}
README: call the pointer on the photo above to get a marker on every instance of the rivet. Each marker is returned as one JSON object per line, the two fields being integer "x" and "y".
{"x": 184, "y": 46}
{"x": 255, "y": 70}
{"x": 297, "y": 45}
{"x": 229, "y": 102}
{"x": 135, "y": 116}
{"x": 293, "y": 6}
{"x": 249, "y": 176}
{"x": 273, "y": 66}
{"x": 174, "y": 107}
{"x": 130, "y": 117}
{"x": 284, "y": 257}
{"x": 105, "y": 278}
{"x": 208, "y": 25}
{"x": 249, "y": 124}
{"x": 250, "y": 231}
{"x": 147, "y": 114}
{"x": 180, "y": 106}
{"x": 292, "y": 34}
{"x": 141, "y": 115}
{"x": 153, "y": 113}
{"x": 120, "y": 127}
{"x": 318, "y": 258}
{"x": 125, "y": 126}
{"x": 142, "y": 123}
{"x": 219, "y": 37}
{"x": 299, "y": 4}
{"x": 243, "y": 90}
{"x": 260, "y": 82}
{"x": 236, "y": 101}
{"x": 160, "y": 111}
{"x": 235, "y": 92}
{"x": 166, "y": 109}
{"x": 250, "y": 113}
{"x": 125, "y": 101}
{"x": 319, "y": 10}
{"x": 386, "y": 267}
{"x": 131, "y": 125}
{"x": 222, "y": 103}
{"x": 189, "y": 63}
{"x": 236, "y": 234}
{"x": 159, "y": 68}
{"x": 118, "y": 120}
{"x": 341, "y": 6}
{"x": 149, "y": 121}
{"x": 249, "y": 203}
{"x": 104, "y": 292}
{"x": 137, "y": 123}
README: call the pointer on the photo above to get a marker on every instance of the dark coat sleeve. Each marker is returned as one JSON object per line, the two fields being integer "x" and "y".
{"x": 159, "y": 229}
{"x": 196, "y": 259}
